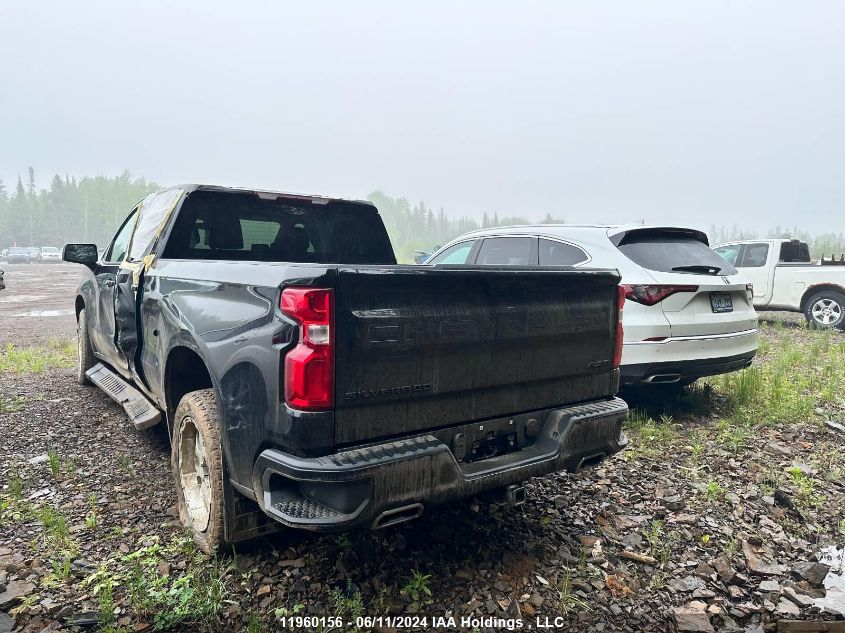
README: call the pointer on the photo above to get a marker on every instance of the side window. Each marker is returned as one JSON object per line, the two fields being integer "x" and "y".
{"x": 456, "y": 254}
{"x": 729, "y": 253}
{"x": 554, "y": 253}
{"x": 506, "y": 251}
{"x": 795, "y": 251}
{"x": 153, "y": 209}
{"x": 755, "y": 256}
{"x": 120, "y": 243}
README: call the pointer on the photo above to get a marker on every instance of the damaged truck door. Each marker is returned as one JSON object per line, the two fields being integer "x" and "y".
{"x": 309, "y": 381}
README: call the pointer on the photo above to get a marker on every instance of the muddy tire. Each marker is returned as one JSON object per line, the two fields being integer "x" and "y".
{"x": 197, "y": 461}
{"x": 84, "y": 354}
{"x": 825, "y": 310}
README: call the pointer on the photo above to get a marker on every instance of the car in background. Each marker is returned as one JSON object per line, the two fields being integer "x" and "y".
{"x": 785, "y": 278}
{"x": 18, "y": 255}
{"x": 688, "y": 313}
{"x": 34, "y": 253}
{"x": 51, "y": 254}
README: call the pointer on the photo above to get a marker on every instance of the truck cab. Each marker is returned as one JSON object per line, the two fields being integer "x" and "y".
{"x": 785, "y": 278}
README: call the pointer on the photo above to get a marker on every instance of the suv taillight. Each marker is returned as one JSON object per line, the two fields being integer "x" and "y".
{"x": 309, "y": 367}
{"x": 749, "y": 293}
{"x": 620, "y": 331}
{"x": 650, "y": 295}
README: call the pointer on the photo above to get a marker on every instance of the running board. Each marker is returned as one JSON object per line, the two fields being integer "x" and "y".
{"x": 141, "y": 411}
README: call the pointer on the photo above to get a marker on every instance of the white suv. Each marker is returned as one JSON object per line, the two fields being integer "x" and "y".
{"x": 688, "y": 312}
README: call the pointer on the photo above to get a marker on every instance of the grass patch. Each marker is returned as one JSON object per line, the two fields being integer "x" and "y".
{"x": 29, "y": 360}
{"x": 650, "y": 436}
{"x": 191, "y": 598}
{"x": 795, "y": 378}
{"x": 11, "y": 404}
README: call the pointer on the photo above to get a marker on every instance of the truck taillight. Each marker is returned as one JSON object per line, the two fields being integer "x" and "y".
{"x": 620, "y": 330}
{"x": 651, "y": 294}
{"x": 309, "y": 367}
{"x": 749, "y": 293}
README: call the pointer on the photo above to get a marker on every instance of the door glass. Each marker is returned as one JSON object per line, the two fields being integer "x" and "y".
{"x": 554, "y": 253}
{"x": 755, "y": 256}
{"x": 154, "y": 209}
{"x": 795, "y": 252}
{"x": 120, "y": 244}
{"x": 506, "y": 251}
{"x": 456, "y": 254}
{"x": 729, "y": 253}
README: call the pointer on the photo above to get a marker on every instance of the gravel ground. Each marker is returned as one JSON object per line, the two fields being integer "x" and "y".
{"x": 680, "y": 532}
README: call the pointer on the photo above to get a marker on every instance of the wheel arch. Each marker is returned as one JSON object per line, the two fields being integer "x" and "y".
{"x": 184, "y": 371}
{"x": 824, "y": 287}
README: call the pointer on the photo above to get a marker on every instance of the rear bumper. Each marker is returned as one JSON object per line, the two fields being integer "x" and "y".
{"x": 386, "y": 483}
{"x": 675, "y": 371}
{"x": 690, "y": 348}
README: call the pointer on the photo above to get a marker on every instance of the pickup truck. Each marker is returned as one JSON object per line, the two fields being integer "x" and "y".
{"x": 785, "y": 278}
{"x": 309, "y": 381}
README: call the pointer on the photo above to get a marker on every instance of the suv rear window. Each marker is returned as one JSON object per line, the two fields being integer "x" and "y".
{"x": 671, "y": 251}
{"x": 243, "y": 227}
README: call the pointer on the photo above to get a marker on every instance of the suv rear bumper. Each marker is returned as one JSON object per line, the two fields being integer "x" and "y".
{"x": 683, "y": 371}
{"x": 383, "y": 484}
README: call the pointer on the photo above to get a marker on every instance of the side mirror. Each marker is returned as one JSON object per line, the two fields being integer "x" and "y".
{"x": 85, "y": 254}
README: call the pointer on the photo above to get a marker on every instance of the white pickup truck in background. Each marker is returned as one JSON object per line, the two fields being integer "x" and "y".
{"x": 785, "y": 278}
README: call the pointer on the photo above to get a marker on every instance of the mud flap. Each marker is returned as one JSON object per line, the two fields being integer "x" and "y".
{"x": 243, "y": 519}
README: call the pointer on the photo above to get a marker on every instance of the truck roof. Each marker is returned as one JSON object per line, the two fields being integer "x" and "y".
{"x": 271, "y": 195}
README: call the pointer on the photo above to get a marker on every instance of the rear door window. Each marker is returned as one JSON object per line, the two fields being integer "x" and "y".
{"x": 456, "y": 254}
{"x": 553, "y": 253}
{"x": 508, "y": 251}
{"x": 672, "y": 251}
{"x": 795, "y": 252}
{"x": 754, "y": 256}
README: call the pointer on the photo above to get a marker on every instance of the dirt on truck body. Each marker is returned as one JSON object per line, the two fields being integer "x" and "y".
{"x": 308, "y": 380}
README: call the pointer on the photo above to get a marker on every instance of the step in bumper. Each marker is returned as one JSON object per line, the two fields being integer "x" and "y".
{"x": 398, "y": 478}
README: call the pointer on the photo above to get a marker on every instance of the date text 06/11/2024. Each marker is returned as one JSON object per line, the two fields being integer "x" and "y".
{"x": 299, "y": 622}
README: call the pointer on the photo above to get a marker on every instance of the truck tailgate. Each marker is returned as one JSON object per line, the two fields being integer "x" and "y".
{"x": 422, "y": 348}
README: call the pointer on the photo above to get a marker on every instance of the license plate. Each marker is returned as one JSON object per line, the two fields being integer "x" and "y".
{"x": 721, "y": 302}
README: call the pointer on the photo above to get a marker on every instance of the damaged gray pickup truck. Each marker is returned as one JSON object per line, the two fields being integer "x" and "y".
{"x": 307, "y": 380}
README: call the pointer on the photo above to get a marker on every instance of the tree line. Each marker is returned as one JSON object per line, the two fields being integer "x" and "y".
{"x": 70, "y": 210}
{"x": 89, "y": 209}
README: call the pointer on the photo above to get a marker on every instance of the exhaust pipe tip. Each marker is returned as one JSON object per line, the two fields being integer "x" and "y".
{"x": 663, "y": 379}
{"x": 398, "y": 515}
{"x": 591, "y": 461}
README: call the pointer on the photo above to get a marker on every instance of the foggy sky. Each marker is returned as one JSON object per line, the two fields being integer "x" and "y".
{"x": 686, "y": 112}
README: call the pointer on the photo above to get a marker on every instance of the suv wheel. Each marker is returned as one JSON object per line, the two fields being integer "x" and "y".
{"x": 84, "y": 354}
{"x": 197, "y": 460}
{"x": 825, "y": 310}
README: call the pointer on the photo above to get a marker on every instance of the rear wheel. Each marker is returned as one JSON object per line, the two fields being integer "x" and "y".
{"x": 84, "y": 354}
{"x": 825, "y": 310}
{"x": 197, "y": 461}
